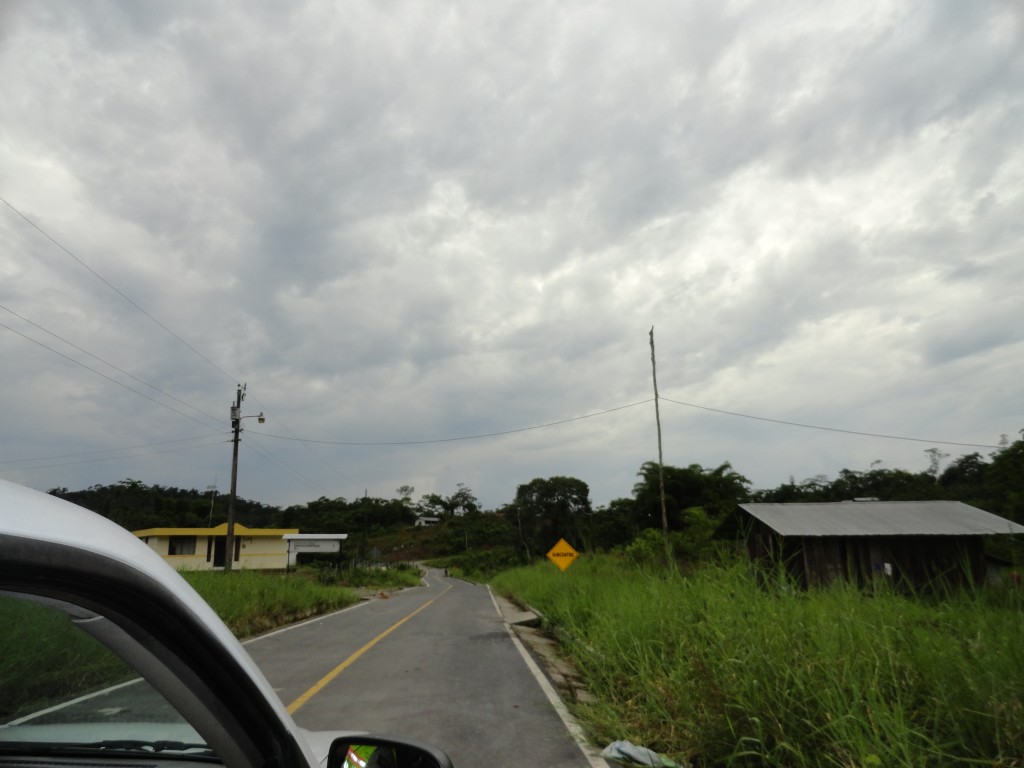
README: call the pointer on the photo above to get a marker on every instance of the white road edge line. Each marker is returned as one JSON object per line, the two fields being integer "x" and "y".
{"x": 312, "y": 620}
{"x": 571, "y": 725}
{"x": 72, "y": 702}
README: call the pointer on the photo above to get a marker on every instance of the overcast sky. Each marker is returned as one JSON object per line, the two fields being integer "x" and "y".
{"x": 402, "y": 223}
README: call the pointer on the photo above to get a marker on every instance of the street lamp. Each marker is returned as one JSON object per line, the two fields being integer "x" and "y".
{"x": 236, "y": 427}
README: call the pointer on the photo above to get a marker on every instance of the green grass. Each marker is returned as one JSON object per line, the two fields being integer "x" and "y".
{"x": 250, "y": 602}
{"x": 711, "y": 668}
{"x": 477, "y": 565}
{"x": 392, "y": 576}
{"x": 45, "y": 659}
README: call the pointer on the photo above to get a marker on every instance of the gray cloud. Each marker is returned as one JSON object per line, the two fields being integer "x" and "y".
{"x": 398, "y": 222}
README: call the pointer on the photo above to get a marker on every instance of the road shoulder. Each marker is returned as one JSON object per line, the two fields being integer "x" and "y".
{"x": 556, "y": 675}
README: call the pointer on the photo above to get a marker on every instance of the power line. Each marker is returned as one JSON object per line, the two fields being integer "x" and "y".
{"x": 111, "y": 365}
{"x": 305, "y": 445}
{"x": 115, "y": 289}
{"x": 397, "y": 442}
{"x": 127, "y": 298}
{"x": 110, "y": 458}
{"x": 612, "y": 410}
{"x": 270, "y": 457}
{"x": 281, "y": 465}
{"x": 455, "y": 439}
{"x": 108, "y": 378}
{"x": 105, "y": 450}
{"x": 829, "y": 429}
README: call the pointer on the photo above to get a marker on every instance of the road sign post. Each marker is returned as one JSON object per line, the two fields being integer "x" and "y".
{"x": 562, "y": 554}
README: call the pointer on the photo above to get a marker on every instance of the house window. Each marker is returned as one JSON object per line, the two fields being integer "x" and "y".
{"x": 182, "y": 545}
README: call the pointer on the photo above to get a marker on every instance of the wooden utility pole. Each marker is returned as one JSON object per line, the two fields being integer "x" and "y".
{"x": 661, "y": 463}
{"x": 236, "y": 428}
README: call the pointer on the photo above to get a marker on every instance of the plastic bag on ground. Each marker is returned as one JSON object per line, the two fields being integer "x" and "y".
{"x": 626, "y": 752}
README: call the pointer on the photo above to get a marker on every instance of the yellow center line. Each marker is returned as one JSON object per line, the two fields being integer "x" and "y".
{"x": 322, "y": 683}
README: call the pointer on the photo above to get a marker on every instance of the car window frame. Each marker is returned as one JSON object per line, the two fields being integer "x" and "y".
{"x": 148, "y": 626}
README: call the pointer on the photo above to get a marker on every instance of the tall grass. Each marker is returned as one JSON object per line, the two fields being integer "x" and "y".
{"x": 43, "y": 658}
{"x": 250, "y": 602}
{"x": 714, "y": 669}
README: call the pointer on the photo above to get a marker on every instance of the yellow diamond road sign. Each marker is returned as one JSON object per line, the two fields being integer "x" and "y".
{"x": 562, "y": 554}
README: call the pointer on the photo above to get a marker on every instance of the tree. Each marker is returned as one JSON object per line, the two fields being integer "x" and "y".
{"x": 1005, "y": 479}
{"x": 462, "y": 502}
{"x": 883, "y": 484}
{"x": 549, "y": 509}
{"x": 717, "y": 490}
{"x": 696, "y": 499}
{"x": 935, "y": 458}
{"x": 612, "y": 526}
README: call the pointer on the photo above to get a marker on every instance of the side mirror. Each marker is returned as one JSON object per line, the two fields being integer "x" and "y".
{"x": 377, "y": 752}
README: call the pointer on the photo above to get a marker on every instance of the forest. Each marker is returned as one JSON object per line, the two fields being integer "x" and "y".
{"x": 546, "y": 509}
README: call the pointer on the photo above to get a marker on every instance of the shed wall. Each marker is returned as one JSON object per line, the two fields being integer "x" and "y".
{"x": 912, "y": 563}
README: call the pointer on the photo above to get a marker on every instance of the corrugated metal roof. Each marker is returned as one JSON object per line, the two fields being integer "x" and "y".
{"x": 881, "y": 518}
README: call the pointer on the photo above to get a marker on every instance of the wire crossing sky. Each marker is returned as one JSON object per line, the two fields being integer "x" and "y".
{"x": 408, "y": 229}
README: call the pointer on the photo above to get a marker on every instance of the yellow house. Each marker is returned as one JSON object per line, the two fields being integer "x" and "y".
{"x": 202, "y": 549}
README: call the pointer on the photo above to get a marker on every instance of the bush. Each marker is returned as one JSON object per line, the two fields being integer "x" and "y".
{"x": 478, "y": 565}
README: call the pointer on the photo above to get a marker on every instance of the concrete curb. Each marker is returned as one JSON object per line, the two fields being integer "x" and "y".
{"x": 526, "y": 625}
{"x": 555, "y": 675}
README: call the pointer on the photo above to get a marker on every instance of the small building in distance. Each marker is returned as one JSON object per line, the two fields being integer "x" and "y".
{"x": 316, "y": 544}
{"x": 202, "y": 549}
{"x": 914, "y": 545}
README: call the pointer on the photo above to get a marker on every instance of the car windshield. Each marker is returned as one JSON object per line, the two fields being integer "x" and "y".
{"x": 63, "y": 691}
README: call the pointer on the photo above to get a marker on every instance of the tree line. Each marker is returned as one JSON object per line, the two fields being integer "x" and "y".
{"x": 544, "y": 510}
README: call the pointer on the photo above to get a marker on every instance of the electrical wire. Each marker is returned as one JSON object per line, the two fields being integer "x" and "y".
{"x": 111, "y": 365}
{"x": 114, "y": 288}
{"x": 106, "y": 450}
{"x": 828, "y": 429}
{"x": 108, "y": 378}
{"x": 127, "y": 298}
{"x": 622, "y": 407}
{"x": 456, "y": 439}
{"x": 294, "y": 438}
{"x": 272, "y": 459}
{"x": 112, "y": 458}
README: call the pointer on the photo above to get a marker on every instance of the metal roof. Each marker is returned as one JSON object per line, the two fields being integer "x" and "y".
{"x": 881, "y": 518}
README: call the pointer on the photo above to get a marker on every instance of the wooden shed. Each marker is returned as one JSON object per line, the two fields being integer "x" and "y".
{"x": 911, "y": 544}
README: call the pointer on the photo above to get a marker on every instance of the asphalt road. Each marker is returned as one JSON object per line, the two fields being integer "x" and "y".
{"x": 434, "y": 663}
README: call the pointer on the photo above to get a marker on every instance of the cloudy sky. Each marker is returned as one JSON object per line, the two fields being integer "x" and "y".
{"x": 417, "y": 230}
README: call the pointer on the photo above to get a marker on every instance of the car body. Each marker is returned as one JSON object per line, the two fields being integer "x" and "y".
{"x": 152, "y": 673}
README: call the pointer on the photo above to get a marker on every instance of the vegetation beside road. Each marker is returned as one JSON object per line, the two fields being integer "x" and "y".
{"x": 50, "y": 660}
{"x": 546, "y": 509}
{"x": 704, "y": 665}
{"x": 712, "y": 668}
{"x": 250, "y": 602}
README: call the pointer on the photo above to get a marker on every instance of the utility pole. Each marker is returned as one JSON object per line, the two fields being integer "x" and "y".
{"x": 236, "y": 428}
{"x": 213, "y": 495}
{"x": 661, "y": 462}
